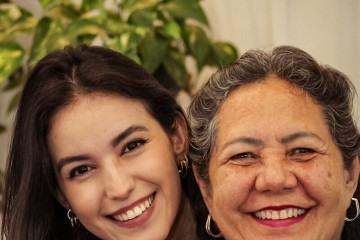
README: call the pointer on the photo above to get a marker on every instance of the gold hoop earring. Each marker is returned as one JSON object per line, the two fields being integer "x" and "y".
{"x": 208, "y": 228}
{"x": 183, "y": 167}
{"x": 357, "y": 210}
{"x": 74, "y": 220}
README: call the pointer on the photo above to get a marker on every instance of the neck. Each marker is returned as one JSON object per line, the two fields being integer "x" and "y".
{"x": 184, "y": 225}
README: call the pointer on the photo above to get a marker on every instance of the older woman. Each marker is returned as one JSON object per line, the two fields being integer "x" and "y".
{"x": 275, "y": 150}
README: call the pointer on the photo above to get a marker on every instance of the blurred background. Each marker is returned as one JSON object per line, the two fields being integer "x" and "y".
{"x": 327, "y": 29}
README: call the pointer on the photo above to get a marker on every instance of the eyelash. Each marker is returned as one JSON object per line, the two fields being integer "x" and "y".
{"x": 301, "y": 151}
{"x": 244, "y": 155}
{"x": 129, "y": 147}
{"x": 75, "y": 172}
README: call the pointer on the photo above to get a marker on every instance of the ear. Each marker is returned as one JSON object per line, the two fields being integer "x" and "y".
{"x": 352, "y": 175}
{"x": 62, "y": 199}
{"x": 205, "y": 188}
{"x": 179, "y": 136}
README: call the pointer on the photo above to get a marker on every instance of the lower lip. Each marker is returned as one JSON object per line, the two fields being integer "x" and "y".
{"x": 139, "y": 220}
{"x": 280, "y": 222}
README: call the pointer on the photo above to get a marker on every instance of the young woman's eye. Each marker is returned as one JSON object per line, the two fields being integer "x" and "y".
{"x": 131, "y": 146}
{"x": 79, "y": 171}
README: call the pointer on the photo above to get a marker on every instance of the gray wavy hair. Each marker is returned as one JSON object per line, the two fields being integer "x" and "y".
{"x": 329, "y": 88}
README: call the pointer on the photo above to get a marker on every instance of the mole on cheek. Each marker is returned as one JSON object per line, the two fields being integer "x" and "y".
{"x": 329, "y": 174}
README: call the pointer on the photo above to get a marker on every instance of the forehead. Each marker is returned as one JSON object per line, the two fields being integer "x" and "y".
{"x": 98, "y": 108}
{"x": 267, "y": 104}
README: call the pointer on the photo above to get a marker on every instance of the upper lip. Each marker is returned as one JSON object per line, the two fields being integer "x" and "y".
{"x": 281, "y": 207}
{"x": 131, "y": 206}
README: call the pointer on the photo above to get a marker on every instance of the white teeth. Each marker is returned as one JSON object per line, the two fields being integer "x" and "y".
{"x": 136, "y": 211}
{"x": 130, "y": 214}
{"x": 274, "y": 215}
{"x": 282, "y": 214}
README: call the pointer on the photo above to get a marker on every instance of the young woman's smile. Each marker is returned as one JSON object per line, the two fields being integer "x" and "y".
{"x": 116, "y": 167}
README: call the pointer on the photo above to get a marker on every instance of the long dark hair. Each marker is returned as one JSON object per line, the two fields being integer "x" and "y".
{"x": 31, "y": 210}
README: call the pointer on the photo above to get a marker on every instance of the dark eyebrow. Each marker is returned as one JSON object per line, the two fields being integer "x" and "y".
{"x": 247, "y": 140}
{"x": 120, "y": 137}
{"x": 127, "y": 132}
{"x": 71, "y": 159}
{"x": 297, "y": 135}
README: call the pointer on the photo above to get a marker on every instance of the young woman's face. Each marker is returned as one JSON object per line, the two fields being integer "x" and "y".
{"x": 275, "y": 171}
{"x": 116, "y": 167}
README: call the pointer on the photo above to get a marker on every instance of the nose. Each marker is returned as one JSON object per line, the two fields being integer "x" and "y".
{"x": 275, "y": 176}
{"x": 118, "y": 181}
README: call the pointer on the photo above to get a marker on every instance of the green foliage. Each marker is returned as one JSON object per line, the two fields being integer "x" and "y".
{"x": 154, "y": 33}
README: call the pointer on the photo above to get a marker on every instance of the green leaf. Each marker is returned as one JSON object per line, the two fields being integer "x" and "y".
{"x": 11, "y": 58}
{"x": 88, "y": 5}
{"x": 41, "y": 30}
{"x": 152, "y": 51}
{"x": 14, "y": 103}
{"x": 198, "y": 43}
{"x": 14, "y": 21}
{"x": 55, "y": 38}
{"x": 136, "y": 5}
{"x": 143, "y": 18}
{"x": 114, "y": 25}
{"x": 223, "y": 53}
{"x": 174, "y": 64}
{"x": 46, "y": 3}
{"x": 184, "y": 9}
{"x": 80, "y": 27}
{"x": 63, "y": 12}
{"x": 172, "y": 29}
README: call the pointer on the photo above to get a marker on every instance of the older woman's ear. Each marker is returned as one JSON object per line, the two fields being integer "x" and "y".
{"x": 352, "y": 174}
{"x": 205, "y": 188}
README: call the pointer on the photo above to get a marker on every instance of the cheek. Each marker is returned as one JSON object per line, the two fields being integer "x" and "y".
{"x": 83, "y": 199}
{"x": 231, "y": 187}
{"x": 324, "y": 182}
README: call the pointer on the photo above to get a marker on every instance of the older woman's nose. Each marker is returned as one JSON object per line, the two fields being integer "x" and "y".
{"x": 118, "y": 182}
{"x": 275, "y": 176}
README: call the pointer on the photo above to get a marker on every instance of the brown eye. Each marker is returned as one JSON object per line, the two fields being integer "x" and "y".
{"x": 78, "y": 171}
{"x": 243, "y": 155}
{"x": 131, "y": 146}
{"x": 301, "y": 151}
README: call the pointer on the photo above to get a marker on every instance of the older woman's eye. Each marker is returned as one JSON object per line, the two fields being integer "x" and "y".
{"x": 79, "y": 171}
{"x": 302, "y": 151}
{"x": 243, "y": 155}
{"x": 131, "y": 146}
{"x": 302, "y": 154}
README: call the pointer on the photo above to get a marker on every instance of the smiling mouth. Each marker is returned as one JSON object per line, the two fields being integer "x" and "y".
{"x": 135, "y": 211}
{"x": 280, "y": 214}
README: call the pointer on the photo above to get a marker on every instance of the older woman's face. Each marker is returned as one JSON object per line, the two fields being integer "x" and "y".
{"x": 275, "y": 172}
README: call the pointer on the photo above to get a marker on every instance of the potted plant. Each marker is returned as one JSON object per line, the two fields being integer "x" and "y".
{"x": 155, "y": 33}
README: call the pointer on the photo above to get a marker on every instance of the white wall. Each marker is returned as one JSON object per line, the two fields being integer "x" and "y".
{"x": 327, "y": 29}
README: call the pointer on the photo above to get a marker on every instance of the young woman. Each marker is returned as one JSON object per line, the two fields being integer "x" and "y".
{"x": 97, "y": 153}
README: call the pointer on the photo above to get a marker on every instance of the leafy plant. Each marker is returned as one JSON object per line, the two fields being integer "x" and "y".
{"x": 154, "y": 33}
